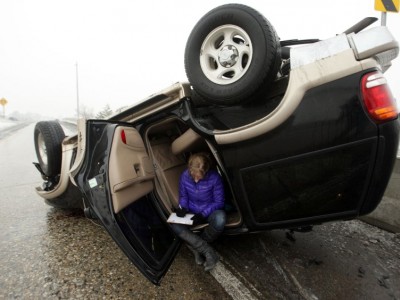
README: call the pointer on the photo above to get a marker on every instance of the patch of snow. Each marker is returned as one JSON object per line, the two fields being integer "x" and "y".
{"x": 6, "y": 123}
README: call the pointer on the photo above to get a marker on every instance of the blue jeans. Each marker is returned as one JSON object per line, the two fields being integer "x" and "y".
{"x": 216, "y": 223}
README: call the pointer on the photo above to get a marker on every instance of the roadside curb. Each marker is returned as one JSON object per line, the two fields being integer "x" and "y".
{"x": 8, "y": 130}
{"x": 380, "y": 224}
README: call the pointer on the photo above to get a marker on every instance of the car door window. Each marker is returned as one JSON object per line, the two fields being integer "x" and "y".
{"x": 140, "y": 222}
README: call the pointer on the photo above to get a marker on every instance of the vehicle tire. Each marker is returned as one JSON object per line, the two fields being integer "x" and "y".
{"x": 48, "y": 136}
{"x": 231, "y": 53}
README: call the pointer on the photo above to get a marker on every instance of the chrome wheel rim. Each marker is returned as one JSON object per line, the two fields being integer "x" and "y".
{"x": 42, "y": 149}
{"x": 226, "y": 54}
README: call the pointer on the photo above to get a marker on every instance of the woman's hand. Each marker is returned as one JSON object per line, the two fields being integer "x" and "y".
{"x": 181, "y": 212}
{"x": 198, "y": 219}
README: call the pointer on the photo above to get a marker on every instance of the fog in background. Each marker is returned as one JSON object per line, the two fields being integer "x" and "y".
{"x": 127, "y": 50}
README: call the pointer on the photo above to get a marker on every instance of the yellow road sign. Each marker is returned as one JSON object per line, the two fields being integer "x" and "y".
{"x": 387, "y": 5}
{"x": 3, "y": 101}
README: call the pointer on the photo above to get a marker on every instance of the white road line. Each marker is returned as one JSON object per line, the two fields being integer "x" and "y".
{"x": 241, "y": 289}
{"x": 306, "y": 294}
{"x": 232, "y": 285}
{"x": 273, "y": 261}
{"x": 283, "y": 271}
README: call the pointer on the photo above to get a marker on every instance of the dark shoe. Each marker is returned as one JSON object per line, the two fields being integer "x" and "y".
{"x": 202, "y": 247}
{"x": 209, "y": 234}
{"x": 212, "y": 259}
{"x": 199, "y": 259}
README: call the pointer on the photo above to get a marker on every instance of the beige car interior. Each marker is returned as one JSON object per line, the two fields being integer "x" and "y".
{"x": 170, "y": 144}
{"x": 135, "y": 172}
{"x": 130, "y": 170}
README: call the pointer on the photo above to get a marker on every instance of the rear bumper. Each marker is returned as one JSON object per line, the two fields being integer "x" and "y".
{"x": 386, "y": 215}
{"x": 385, "y": 160}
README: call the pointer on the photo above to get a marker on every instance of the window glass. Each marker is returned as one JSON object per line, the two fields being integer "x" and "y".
{"x": 140, "y": 221}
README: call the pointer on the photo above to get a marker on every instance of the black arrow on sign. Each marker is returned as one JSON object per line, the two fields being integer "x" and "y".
{"x": 389, "y": 5}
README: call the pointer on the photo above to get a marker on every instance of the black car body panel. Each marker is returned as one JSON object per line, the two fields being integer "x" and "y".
{"x": 316, "y": 166}
{"x": 388, "y": 144}
{"x": 138, "y": 229}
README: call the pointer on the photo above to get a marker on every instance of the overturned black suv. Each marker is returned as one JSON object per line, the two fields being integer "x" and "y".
{"x": 301, "y": 135}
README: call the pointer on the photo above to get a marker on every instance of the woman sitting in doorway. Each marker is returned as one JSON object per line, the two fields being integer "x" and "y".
{"x": 201, "y": 192}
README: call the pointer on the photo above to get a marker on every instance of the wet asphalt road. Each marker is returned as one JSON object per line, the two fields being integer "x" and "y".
{"x": 55, "y": 254}
{"x": 342, "y": 260}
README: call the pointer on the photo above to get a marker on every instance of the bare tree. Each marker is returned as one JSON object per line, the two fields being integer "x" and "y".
{"x": 106, "y": 112}
{"x": 86, "y": 112}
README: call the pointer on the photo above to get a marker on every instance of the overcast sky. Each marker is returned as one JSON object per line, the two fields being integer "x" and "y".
{"x": 127, "y": 50}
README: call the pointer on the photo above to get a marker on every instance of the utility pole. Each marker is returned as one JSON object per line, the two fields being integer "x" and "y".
{"x": 77, "y": 92}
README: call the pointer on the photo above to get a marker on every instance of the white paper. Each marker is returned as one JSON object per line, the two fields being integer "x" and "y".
{"x": 173, "y": 218}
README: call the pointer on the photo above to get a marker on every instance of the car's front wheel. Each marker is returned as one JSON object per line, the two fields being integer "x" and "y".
{"x": 231, "y": 53}
{"x": 48, "y": 136}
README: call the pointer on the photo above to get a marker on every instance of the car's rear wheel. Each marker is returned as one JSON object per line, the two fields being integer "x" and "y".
{"x": 231, "y": 53}
{"x": 48, "y": 136}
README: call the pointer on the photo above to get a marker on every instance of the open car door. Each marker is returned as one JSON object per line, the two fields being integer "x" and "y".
{"x": 116, "y": 179}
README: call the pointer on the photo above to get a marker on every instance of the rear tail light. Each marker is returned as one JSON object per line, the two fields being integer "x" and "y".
{"x": 378, "y": 98}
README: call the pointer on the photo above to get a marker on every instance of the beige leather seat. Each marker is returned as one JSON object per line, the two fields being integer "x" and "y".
{"x": 170, "y": 162}
{"x": 169, "y": 168}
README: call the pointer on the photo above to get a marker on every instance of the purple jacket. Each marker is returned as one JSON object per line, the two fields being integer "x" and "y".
{"x": 203, "y": 197}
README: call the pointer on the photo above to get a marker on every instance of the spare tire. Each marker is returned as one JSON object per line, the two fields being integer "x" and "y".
{"x": 231, "y": 53}
{"x": 48, "y": 136}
